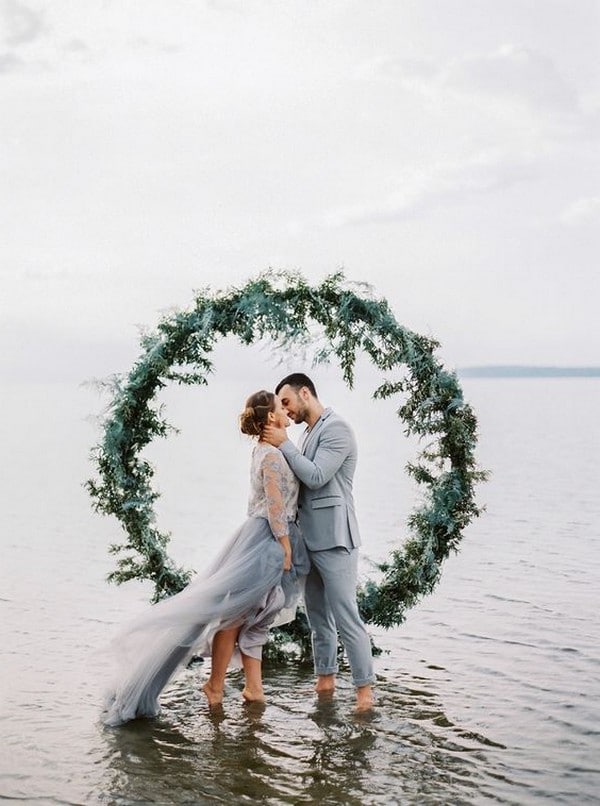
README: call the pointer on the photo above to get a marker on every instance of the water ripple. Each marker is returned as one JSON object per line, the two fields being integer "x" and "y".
{"x": 299, "y": 750}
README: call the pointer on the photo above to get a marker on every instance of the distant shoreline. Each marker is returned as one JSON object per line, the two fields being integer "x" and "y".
{"x": 515, "y": 371}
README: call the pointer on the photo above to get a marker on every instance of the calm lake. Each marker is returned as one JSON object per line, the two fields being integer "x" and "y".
{"x": 490, "y": 692}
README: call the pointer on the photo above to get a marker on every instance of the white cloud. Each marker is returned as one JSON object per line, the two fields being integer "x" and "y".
{"x": 510, "y": 107}
{"x": 513, "y": 83}
{"x": 581, "y": 211}
{"x": 514, "y": 73}
{"x": 9, "y": 62}
{"x": 155, "y": 149}
{"x": 432, "y": 185}
{"x": 23, "y": 24}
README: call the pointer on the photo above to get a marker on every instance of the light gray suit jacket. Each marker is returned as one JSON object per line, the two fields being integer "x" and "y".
{"x": 325, "y": 467}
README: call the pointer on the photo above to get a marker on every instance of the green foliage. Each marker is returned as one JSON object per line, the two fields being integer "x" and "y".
{"x": 286, "y": 309}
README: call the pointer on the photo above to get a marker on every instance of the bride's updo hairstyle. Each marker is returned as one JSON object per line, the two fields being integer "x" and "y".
{"x": 254, "y": 417}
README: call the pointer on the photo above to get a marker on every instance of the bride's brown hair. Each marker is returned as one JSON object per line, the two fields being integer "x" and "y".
{"x": 254, "y": 417}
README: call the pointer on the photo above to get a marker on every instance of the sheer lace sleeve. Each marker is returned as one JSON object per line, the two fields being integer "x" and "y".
{"x": 273, "y": 489}
{"x": 273, "y": 485}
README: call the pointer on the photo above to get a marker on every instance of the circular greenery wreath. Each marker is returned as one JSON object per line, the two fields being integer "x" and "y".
{"x": 285, "y": 308}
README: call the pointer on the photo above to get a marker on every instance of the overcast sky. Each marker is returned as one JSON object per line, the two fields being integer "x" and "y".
{"x": 446, "y": 151}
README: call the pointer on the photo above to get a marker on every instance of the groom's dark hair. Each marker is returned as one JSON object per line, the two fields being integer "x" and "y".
{"x": 297, "y": 380}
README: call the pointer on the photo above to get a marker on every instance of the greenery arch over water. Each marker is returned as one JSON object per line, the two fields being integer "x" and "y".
{"x": 339, "y": 323}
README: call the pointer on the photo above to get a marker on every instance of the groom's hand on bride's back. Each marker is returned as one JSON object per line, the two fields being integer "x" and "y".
{"x": 274, "y": 436}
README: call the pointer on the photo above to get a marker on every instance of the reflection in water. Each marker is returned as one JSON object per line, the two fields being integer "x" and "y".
{"x": 298, "y": 749}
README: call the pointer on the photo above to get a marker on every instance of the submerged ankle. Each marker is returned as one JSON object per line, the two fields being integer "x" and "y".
{"x": 364, "y": 698}
{"x": 253, "y": 694}
{"x": 325, "y": 682}
{"x": 214, "y": 695}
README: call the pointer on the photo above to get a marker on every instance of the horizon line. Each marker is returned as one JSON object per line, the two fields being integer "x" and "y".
{"x": 531, "y": 370}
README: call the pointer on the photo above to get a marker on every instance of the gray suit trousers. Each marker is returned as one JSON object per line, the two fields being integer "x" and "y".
{"x": 330, "y": 599}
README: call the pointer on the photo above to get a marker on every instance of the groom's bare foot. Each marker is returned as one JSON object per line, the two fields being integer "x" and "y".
{"x": 364, "y": 699}
{"x": 213, "y": 695}
{"x": 253, "y": 694}
{"x": 325, "y": 685}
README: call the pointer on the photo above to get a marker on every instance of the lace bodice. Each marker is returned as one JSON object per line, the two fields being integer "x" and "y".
{"x": 273, "y": 489}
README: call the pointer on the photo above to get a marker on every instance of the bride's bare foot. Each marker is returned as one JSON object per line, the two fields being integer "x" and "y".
{"x": 364, "y": 699}
{"x": 253, "y": 694}
{"x": 214, "y": 696}
{"x": 325, "y": 686}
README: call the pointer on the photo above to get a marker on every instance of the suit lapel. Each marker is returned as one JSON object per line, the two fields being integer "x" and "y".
{"x": 309, "y": 442}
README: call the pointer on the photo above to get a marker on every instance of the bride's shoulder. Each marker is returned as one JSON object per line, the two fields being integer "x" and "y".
{"x": 264, "y": 450}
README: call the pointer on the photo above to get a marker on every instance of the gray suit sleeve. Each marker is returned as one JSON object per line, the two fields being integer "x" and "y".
{"x": 333, "y": 448}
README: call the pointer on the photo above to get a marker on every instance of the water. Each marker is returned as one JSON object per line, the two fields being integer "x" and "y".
{"x": 488, "y": 693}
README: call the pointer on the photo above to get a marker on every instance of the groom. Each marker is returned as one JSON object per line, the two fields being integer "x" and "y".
{"x": 324, "y": 463}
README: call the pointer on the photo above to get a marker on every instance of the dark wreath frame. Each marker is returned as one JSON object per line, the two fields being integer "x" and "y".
{"x": 283, "y": 307}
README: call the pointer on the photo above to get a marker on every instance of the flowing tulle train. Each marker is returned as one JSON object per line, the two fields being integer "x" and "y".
{"x": 245, "y": 586}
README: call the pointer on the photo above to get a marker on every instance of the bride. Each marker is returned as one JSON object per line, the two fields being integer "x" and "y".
{"x": 254, "y": 583}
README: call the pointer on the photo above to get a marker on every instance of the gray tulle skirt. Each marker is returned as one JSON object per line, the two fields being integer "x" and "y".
{"x": 245, "y": 586}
